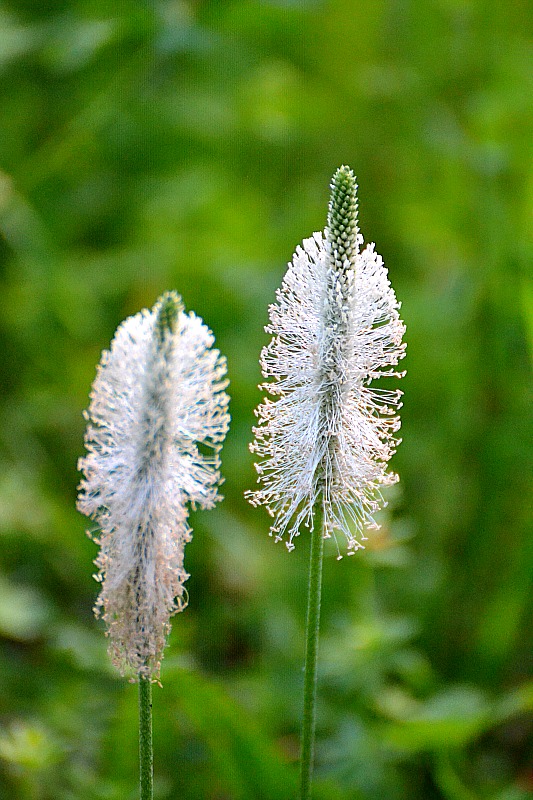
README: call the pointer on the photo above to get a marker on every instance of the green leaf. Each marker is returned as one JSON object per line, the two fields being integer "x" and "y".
{"x": 451, "y": 718}
{"x": 247, "y": 765}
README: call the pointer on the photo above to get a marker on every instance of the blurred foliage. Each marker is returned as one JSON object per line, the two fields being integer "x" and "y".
{"x": 170, "y": 144}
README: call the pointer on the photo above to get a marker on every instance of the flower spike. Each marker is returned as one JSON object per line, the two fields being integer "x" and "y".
{"x": 326, "y": 436}
{"x": 159, "y": 391}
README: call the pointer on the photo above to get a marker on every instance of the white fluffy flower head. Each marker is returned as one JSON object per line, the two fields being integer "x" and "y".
{"x": 326, "y": 435}
{"x": 159, "y": 391}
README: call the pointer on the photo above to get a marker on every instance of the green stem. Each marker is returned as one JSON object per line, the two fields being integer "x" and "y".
{"x": 146, "y": 753}
{"x": 311, "y": 653}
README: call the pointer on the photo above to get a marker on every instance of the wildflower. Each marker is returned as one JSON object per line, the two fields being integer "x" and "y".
{"x": 326, "y": 436}
{"x": 159, "y": 391}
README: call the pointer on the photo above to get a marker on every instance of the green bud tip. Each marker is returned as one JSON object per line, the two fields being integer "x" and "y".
{"x": 342, "y": 227}
{"x": 167, "y": 308}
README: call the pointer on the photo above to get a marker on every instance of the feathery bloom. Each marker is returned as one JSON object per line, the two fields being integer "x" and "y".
{"x": 326, "y": 436}
{"x": 158, "y": 392}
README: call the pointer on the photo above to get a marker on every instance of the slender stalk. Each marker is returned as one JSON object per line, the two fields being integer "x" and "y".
{"x": 311, "y": 653}
{"x": 146, "y": 753}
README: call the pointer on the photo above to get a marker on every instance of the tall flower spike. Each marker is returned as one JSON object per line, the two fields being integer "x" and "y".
{"x": 159, "y": 391}
{"x": 326, "y": 436}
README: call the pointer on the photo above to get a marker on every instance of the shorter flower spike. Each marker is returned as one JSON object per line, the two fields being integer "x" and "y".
{"x": 326, "y": 436}
{"x": 158, "y": 393}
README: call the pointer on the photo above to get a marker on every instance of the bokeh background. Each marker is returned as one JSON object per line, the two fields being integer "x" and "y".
{"x": 146, "y": 146}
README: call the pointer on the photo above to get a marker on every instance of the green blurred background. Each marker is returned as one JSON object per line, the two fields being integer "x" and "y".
{"x": 146, "y": 146}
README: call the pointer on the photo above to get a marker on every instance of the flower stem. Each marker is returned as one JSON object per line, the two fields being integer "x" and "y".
{"x": 146, "y": 753}
{"x": 311, "y": 653}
